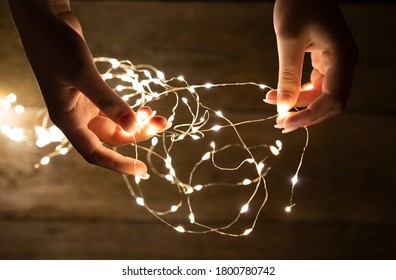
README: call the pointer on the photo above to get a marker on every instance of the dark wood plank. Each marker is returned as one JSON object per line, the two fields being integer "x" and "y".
{"x": 124, "y": 240}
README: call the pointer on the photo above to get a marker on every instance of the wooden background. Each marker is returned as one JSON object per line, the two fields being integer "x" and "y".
{"x": 345, "y": 201}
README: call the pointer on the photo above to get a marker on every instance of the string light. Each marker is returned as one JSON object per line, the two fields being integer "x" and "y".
{"x": 8, "y": 106}
{"x": 142, "y": 85}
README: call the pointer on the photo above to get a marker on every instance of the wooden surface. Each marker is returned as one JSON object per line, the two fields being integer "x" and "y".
{"x": 345, "y": 201}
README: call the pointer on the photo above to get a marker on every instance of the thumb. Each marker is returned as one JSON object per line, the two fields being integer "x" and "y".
{"x": 109, "y": 102}
{"x": 291, "y": 57}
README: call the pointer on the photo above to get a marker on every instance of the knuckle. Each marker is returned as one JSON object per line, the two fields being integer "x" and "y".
{"x": 107, "y": 106}
{"x": 289, "y": 77}
{"x": 92, "y": 157}
{"x": 112, "y": 108}
{"x": 289, "y": 81}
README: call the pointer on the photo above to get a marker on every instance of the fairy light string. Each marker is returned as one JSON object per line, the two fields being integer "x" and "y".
{"x": 192, "y": 121}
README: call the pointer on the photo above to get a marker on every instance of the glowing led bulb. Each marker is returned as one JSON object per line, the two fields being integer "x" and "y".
{"x": 114, "y": 63}
{"x": 147, "y": 73}
{"x": 154, "y": 141}
{"x": 208, "y": 85}
{"x": 308, "y": 86}
{"x": 192, "y": 218}
{"x": 262, "y": 86}
{"x": 107, "y": 76}
{"x": 40, "y": 143}
{"x": 245, "y": 208}
{"x": 279, "y": 144}
{"x": 120, "y": 88}
{"x": 140, "y": 201}
{"x": 185, "y": 100}
{"x": 174, "y": 208}
{"x": 16, "y": 134}
{"x": 195, "y": 137}
{"x": 294, "y": 180}
{"x": 12, "y": 97}
{"x": 180, "y": 229}
{"x": 169, "y": 177}
{"x": 180, "y": 78}
{"x": 44, "y": 160}
{"x": 247, "y": 231}
{"x": 141, "y": 116}
{"x": 63, "y": 151}
{"x": 289, "y": 208}
{"x": 246, "y": 182}
{"x": 151, "y": 130}
{"x": 130, "y": 72}
{"x": 172, "y": 172}
{"x": 137, "y": 179}
{"x": 283, "y": 109}
{"x": 161, "y": 75}
{"x": 198, "y": 187}
{"x": 56, "y": 134}
{"x": 206, "y": 156}
{"x": 19, "y": 109}
{"x": 216, "y": 127}
{"x": 219, "y": 113}
{"x": 274, "y": 150}
{"x": 260, "y": 167}
{"x": 126, "y": 78}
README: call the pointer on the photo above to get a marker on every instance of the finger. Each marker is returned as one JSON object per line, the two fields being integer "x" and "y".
{"x": 335, "y": 87}
{"x": 89, "y": 146}
{"x": 308, "y": 93}
{"x": 149, "y": 129}
{"x": 315, "y": 74}
{"x": 110, "y": 103}
{"x": 271, "y": 97}
{"x": 291, "y": 56}
{"x": 112, "y": 134}
{"x": 109, "y": 132}
{"x": 324, "y": 107}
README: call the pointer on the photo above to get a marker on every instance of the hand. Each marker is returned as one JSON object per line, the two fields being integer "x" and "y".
{"x": 317, "y": 27}
{"x": 79, "y": 102}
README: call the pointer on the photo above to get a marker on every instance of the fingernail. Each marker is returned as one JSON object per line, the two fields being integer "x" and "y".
{"x": 270, "y": 101}
{"x": 145, "y": 176}
{"x": 128, "y": 124}
{"x": 279, "y": 126}
{"x": 290, "y": 128}
{"x": 270, "y": 93}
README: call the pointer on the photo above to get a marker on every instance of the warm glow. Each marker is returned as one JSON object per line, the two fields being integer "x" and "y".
{"x": 143, "y": 85}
